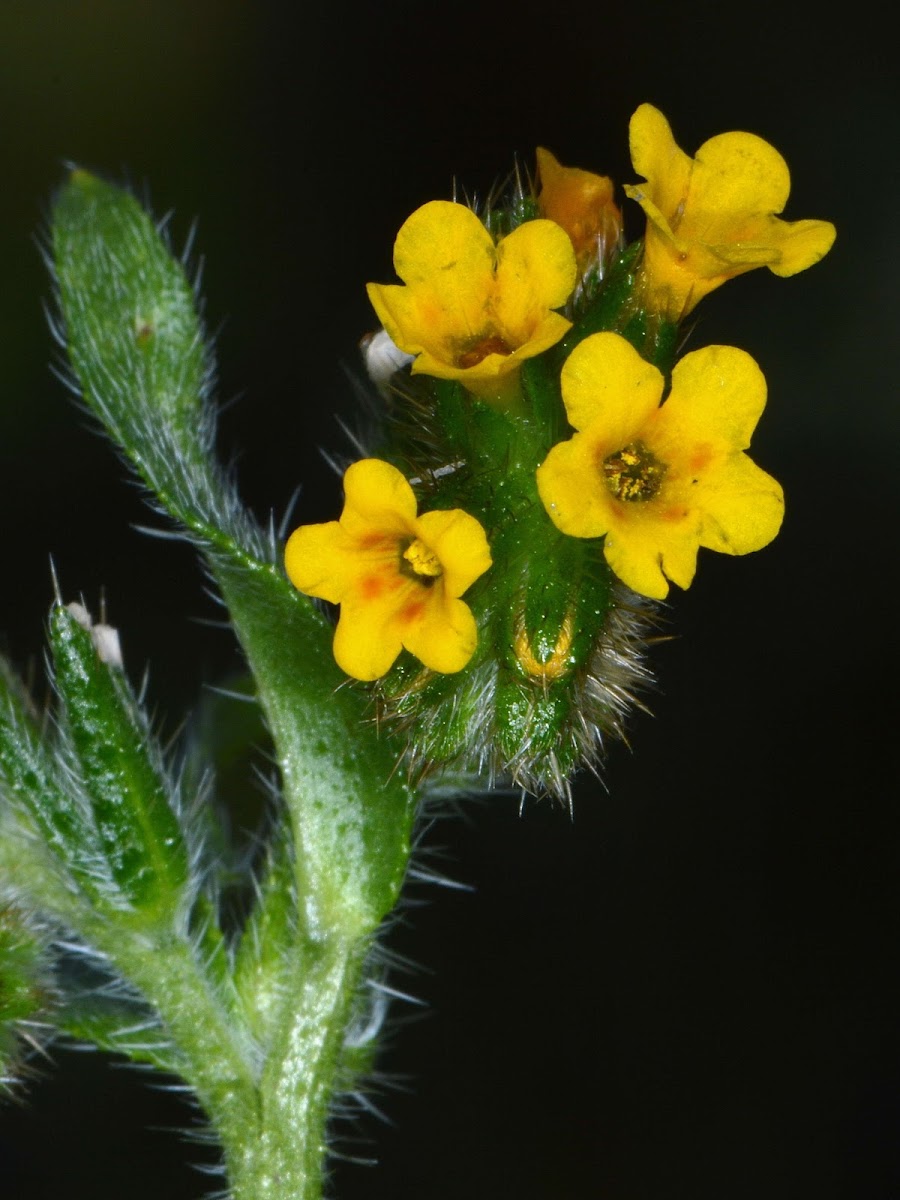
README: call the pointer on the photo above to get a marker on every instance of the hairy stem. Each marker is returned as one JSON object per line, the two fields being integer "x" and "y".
{"x": 284, "y": 1158}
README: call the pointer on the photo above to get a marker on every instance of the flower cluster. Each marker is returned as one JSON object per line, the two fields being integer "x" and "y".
{"x": 539, "y": 414}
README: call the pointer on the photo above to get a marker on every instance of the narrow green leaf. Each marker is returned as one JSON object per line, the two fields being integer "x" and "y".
{"x": 121, "y": 771}
{"x": 31, "y": 781}
{"x": 136, "y": 346}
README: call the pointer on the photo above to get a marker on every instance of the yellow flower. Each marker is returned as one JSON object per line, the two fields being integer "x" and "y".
{"x": 471, "y": 310}
{"x": 657, "y": 481}
{"x": 582, "y": 203}
{"x": 397, "y": 576}
{"x": 712, "y": 217}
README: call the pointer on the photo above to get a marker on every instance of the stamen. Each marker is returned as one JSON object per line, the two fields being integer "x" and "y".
{"x": 634, "y": 472}
{"x": 421, "y": 563}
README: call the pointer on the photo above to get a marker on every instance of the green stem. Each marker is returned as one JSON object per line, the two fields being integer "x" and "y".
{"x": 283, "y": 1158}
{"x": 216, "y": 1056}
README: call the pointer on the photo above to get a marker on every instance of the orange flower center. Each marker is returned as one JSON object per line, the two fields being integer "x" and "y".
{"x": 419, "y": 562}
{"x": 634, "y": 472}
{"x": 492, "y": 343}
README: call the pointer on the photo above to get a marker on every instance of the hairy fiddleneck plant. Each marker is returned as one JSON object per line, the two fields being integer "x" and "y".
{"x": 544, "y": 467}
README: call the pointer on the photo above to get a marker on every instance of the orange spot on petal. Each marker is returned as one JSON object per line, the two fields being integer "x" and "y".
{"x": 371, "y": 541}
{"x": 411, "y": 612}
{"x": 700, "y": 459}
{"x": 372, "y": 586}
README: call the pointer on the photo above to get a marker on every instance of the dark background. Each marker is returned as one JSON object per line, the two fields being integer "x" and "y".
{"x": 688, "y": 991}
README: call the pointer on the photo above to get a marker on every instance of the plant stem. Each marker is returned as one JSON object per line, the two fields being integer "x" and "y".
{"x": 216, "y": 1056}
{"x": 283, "y": 1157}
{"x": 270, "y": 1117}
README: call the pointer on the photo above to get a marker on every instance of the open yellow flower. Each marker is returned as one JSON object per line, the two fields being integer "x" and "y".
{"x": 397, "y": 576}
{"x": 712, "y": 217}
{"x": 472, "y": 310}
{"x": 582, "y": 203}
{"x": 659, "y": 481}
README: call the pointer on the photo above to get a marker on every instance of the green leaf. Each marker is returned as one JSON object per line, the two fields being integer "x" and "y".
{"x": 32, "y": 782}
{"x": 136, "y": 346}
{"x": 27, "y": 993}
{"x": 121, "y": 771}
{"x": 347, "y": 793}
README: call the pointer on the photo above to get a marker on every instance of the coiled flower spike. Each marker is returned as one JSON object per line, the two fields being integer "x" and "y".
{"x": 528, "y": 368}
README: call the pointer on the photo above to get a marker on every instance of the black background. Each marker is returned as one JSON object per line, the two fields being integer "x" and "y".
{"x": 688, "y": 991}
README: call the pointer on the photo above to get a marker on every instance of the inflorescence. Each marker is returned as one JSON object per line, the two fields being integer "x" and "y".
{"x": 566, "y": 466}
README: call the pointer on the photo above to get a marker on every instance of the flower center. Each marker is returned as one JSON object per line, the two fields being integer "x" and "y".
{"x": 493, "y": 343}
{"x": 634, "y": 472}
{"x": 419, "y": 562}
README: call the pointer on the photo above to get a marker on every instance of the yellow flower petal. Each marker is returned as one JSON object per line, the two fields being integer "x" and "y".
{"x": 735, "y": 177}
{"x": 316, "y": 561}
{"x": 366, "y": 640}
{"x": 442, "y": 239}
{"x": 377, "y": 500}
{"x": 718, "y": 395}
{"x": 572, "y": 488}
{"x": 802, "y": 244}
{"x": 535, "y": 272}
{"x": 635, "y": 557}
{"x": 415, "y": 319}
{"x": 443, "y": 637}
{"x": 650, "y": 543}
{"x": 656, "y": 156}
{"x": 741, "y": 506}
{"x": 460, "y": 543}
{"x": 605, "y": 376}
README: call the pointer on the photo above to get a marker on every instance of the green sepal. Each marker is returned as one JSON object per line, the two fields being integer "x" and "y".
{"x": 616, "y": 306}
{"x": 121, "y": 771}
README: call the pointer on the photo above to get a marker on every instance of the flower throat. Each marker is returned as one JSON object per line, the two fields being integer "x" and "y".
{"x": 634, "y": 472}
